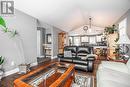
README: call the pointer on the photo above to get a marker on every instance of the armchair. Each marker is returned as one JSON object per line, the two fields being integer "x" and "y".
{"x": 116, "y": 74}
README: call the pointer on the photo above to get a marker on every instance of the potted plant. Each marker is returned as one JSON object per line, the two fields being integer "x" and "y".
{"x": 110, "y": 29}
{"x": 1, "y": 61}
{"x": 5, "y": 28}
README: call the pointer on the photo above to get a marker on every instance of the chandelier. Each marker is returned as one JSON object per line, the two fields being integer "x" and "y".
{"x": 85, "y": 28}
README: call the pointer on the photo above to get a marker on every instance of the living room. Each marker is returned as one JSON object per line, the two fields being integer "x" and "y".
{"x": 64, "y": 43}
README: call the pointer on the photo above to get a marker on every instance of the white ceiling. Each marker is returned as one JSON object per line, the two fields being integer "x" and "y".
{"x": 71, "y": 14}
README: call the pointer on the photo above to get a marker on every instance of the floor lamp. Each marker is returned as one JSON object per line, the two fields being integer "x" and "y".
{"x": 124, "y": 41}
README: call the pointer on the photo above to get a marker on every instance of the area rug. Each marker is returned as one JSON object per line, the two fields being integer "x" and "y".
{"x": 83, "y": 81}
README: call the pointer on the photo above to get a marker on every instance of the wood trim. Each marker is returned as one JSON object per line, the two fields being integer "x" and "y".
{"x": 19, "y": 83}
{"x": 61, "y": 41}
{"x": 63, "y": 77}
{"x": 69, "y": 82}
{"x": 116, "y": 60}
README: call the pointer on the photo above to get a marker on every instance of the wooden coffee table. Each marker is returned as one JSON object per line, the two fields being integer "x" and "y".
{"x": 53, "y": 75}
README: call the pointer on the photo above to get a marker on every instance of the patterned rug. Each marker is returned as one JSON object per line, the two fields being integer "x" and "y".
{"x": 83, "y": 81}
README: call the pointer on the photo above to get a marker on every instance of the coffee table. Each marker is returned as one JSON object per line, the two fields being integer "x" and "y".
{"x": 53, "y": 75}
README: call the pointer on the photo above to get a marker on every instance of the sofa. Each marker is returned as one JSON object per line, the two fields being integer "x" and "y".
{"x": 113, "y": 74}
{"x": 81, "y": 56}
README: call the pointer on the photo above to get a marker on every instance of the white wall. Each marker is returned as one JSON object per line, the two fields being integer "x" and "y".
{"x": 55, "y": 33}
{"x": 48, "y": 29}
{"x": 38, "y": 43}
{"x": 26, "y": 27}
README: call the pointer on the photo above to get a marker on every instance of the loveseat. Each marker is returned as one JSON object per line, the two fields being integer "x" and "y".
{"x": 81, "y": 56}
{"x": 113, "y": 74}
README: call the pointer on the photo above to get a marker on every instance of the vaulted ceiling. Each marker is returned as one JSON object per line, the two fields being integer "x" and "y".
{"x": 71, "y": 14}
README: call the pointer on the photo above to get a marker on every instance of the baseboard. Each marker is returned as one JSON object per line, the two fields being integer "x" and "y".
{"x": 11, "y": 72}
{"x": 40, "y": 56}
{"x": 54, "y": 57}
{"x": 17, "y": 70}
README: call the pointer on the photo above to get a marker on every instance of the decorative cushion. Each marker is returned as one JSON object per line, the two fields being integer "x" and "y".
{"x": 67, "y": 54}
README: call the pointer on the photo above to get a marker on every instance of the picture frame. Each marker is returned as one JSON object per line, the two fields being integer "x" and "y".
{"x": 48, "y": 38}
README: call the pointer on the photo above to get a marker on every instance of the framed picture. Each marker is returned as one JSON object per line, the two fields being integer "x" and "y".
{"x": 48, "y": 38}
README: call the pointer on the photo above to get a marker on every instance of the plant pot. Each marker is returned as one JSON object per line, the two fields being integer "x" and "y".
{"x": 1, "y": 66}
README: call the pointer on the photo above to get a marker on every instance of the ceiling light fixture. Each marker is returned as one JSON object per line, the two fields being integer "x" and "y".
{"x": 85, "y": 28}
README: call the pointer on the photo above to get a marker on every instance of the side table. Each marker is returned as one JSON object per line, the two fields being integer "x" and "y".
{"x": 117, "y": 60}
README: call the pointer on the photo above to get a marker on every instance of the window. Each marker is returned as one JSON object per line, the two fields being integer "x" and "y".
{"x": 98, "y": 38}
{"x": 123, "y": 38}
{"x": 77, "y": 41}
{"x": 84, "y": 39}
{"x": 123, "y": 27}
{"x": 92, "y": 40}
{"x": 70, "y": 41}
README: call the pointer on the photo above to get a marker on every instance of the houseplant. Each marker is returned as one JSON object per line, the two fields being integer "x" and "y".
{"x": 5, "y": 28}
{"x": 1, "y": 61}
{"x": 110, "y": 29}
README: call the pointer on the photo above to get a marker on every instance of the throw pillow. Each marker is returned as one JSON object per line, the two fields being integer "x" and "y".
{"x": 67, "y": 54}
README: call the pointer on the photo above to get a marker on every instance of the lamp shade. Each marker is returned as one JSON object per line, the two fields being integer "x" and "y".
{"x": 123, "y": 39}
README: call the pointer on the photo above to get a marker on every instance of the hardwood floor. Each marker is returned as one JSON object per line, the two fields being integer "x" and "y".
{"x": 8, "y": 81}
